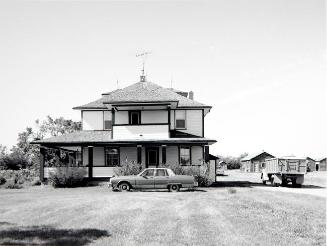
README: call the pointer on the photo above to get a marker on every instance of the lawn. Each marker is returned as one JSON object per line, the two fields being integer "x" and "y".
{"x": 211, "y": 216}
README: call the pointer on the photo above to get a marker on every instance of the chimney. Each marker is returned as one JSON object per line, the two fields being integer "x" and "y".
{"x": 191, "y": 95}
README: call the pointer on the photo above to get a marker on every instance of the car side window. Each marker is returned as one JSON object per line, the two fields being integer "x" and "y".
{"x": 161, "y": 172}
{"x": 147, "y": 173}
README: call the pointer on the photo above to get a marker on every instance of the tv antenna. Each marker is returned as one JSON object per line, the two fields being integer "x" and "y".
{"x": 144, "y": 56}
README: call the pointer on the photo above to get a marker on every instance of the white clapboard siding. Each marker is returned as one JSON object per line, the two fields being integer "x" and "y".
{"x": 197, "y": 155}
{"x": 141, "y": 132}
{"x": 48, "y": 170}
{"x": 128, "y": 154}
{"x": 92, "y": 120}
{"x": 148, "y": 117}
{"x": 121, "y": 117}
{"x": 172, "y": 155}
{"x": 193, "y": 122}
{"x": 99, "y": 172}
{"x": 98, "y": 156}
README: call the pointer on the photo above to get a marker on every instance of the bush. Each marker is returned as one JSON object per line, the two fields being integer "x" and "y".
{"x": 200, "y": 173}
{"x": 36, "y": 182}
{"x": 2, "y": 180}
{"x": 67, "y": 177}
{"x": 128, "y": 168}
{"x": 12, "y": 184}
{"x": 20, "y": 176}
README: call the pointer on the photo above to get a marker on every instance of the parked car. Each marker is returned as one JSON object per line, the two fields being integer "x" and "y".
{"x": 153, "y": 178}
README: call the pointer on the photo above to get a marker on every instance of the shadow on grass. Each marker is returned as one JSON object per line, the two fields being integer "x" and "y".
{"x": 252, "y": 184}
{"x": 45, "y": 235}
{"x": 166, "y": 191}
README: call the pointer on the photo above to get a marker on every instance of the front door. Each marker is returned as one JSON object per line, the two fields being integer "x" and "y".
{"x": 152, "y": 157}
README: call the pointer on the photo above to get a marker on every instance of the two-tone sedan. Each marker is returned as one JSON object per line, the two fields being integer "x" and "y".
{"x": 153, "y": 178}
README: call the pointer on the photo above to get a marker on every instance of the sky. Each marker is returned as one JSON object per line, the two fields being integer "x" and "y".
{"x": 261, "y": 64}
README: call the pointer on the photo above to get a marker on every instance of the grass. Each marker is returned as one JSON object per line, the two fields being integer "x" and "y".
{"x": 211, "y": 216}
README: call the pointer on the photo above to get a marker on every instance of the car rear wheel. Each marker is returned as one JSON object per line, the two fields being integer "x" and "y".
{"x": 124, "y": 187}
{"x": 174, "y": 188}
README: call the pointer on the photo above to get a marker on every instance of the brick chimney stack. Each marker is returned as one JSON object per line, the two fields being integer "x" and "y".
{"x": 191, "y": 95}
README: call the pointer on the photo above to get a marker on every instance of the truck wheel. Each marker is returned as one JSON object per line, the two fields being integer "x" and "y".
{"x": 273, "y": 183}
{"x": 174, "y": 188}
{"x": 264, "y": 182}
{"x": 124, "y": 186}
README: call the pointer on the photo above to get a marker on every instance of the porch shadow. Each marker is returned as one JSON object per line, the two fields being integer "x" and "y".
{"x": 45, "y": 235}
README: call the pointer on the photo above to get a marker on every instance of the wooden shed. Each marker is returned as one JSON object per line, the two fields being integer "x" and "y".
{"x": 311, "y": 164}
{"x": 321, "y": 164}
{"x": 254, "y": 163}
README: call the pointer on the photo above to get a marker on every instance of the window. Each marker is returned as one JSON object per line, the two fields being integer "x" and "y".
{"x": 161, "y": 172}
{"x": 107, "y": 122}
{"x": 180, "y": 119}
{"x": 185, "y": 155}
{"x": 112, "y": 157}
{"x": 148, "y": 173}
{"x": 134, "y": 117}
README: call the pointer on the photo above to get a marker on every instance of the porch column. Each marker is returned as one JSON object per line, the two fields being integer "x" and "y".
{"x": 139, "y": 154}
{"x": 90, "y": 156}
{"x": 163, "y": 148}
{"x": 42, "y": 160}
{"x": 206, "y": 153}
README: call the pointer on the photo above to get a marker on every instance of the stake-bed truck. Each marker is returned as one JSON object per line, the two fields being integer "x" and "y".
{"x": 281, "y": 171}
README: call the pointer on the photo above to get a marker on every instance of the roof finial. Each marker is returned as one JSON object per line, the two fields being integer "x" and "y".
{"x": 143, "y": 55}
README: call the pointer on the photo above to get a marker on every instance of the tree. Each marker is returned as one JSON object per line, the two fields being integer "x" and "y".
{"x": 26, "y": 155}
{"x": 233, "y": 162}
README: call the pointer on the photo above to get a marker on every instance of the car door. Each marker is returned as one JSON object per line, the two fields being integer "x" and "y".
{"x": 146, "y": 179}
{"x": 161, "y": 179}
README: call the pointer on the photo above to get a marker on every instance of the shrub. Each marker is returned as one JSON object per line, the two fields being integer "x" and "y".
{"x": 21, "y": 176}
{"x": 200, "y": 173}
{"x": 2, "y": 180}
{"x": 36, "y": 182}
{"x": 12, "y": 184}
{"x": 67, "y": 177}
{"x": 128, "y": 168}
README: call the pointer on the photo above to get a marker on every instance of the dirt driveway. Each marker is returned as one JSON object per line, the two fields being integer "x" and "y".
{"x": 314, "y": 183}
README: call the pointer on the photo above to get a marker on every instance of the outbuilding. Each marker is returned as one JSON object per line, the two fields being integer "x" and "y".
{"x": 255, "y": 162}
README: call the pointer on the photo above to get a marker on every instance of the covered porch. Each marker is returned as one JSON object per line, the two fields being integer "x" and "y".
{"x": 100, "y": 159}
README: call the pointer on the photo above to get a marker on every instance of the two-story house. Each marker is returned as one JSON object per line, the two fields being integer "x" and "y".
{"x": 143, "y": 123}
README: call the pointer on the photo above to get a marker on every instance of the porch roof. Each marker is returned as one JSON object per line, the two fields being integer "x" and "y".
{"x": 104, "y": 137}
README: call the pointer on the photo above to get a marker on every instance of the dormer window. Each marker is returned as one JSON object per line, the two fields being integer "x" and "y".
{"x": 134, "y": 117}
{"x": 180, "y": 119}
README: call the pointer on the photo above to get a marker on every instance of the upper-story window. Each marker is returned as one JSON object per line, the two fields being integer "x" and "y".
{"x": 107, "y": 122}
{"x": 180, "y": 119}
{"x": 134, "y": 117}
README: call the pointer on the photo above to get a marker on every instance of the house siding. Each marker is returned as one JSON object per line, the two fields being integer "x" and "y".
{"x": 153, "y": 116}
{"x": 92, "y": 120}
{"x": 194, "y": 123}
{"x": 121, "y": 117}
{"x": 141, "y": 131}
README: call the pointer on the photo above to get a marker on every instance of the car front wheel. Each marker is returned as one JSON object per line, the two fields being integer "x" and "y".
{"x": 174, "y": 188}
{"x": 124, "y": 187}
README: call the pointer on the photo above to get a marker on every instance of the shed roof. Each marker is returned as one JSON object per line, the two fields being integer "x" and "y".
{"x": 252, "y": 156}
{"x": 142, "y": 92}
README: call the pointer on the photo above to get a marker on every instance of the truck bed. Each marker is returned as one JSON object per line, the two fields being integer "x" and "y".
{"x": 285, "y": 166}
